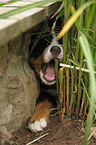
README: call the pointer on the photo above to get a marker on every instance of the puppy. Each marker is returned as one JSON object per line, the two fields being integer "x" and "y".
{"x": 44, "y": 66}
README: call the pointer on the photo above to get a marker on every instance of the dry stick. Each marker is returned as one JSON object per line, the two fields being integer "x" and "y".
{"x": 85, "y": 108}
{"x": 37, "y": 139}
{"x": 53, "y": 110}
{"x": 71, "y": 105}
{"x": 86, "y": 105}
{"x": 82, "y": 104}
{"x": 82, "y": 69}
{"x": 72, "y": 99}
{"x": 58, "y": 10}
{"x": 92, "y": 133}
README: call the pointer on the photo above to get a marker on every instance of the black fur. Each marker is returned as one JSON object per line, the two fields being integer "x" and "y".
{"x": 46, "y": 91}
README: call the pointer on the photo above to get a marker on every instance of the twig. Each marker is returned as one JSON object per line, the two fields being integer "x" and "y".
{"x": 82, "y": 69}
{"x": 58, "y": 10}
{"x": 37, "y": 139}
{"x": 92, "y": 133}
{"x": 53, "y": 110}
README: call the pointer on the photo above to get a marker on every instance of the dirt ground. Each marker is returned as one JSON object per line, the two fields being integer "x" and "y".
{"x": 71, "y": 134}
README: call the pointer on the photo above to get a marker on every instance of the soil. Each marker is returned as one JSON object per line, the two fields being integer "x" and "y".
{"x": 70, "y": 134}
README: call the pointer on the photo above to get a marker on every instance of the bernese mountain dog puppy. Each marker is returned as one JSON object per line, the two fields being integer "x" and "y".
{"x": 44, "y": 66}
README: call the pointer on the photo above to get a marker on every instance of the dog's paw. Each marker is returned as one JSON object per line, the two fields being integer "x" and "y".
{"x": 37, "y": 126}
{"x": 40, "y": 117}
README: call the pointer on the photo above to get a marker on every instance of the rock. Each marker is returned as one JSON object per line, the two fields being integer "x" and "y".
{"x": 18, "y": 89}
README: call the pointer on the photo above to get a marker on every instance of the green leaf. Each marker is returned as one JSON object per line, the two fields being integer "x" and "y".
{"x": 73, "y": 18}
{"x": 27, "y": 7}
{"x": 87, "y": 52}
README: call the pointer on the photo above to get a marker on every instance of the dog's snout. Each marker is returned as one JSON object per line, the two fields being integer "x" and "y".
{"x": 55, "y": 50}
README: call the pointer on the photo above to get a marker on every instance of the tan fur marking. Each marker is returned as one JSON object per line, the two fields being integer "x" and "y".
{"x": 37, "y": 63}
{"x": 42, "y": 110}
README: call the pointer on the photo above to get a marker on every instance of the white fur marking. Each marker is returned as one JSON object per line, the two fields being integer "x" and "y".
{"x": 38, "y": 125}
{"x": 43, "y": 122}
{"x": 47, "y": 54}
{"x": 35, "y": 126}
{"x": 31, "y": 126}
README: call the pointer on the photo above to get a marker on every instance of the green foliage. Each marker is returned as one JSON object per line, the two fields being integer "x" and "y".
{"x": 23, "y": 8}
{"x": 79, "y": 49}
{"x": 75, "y": 88}
{"x": 87, "y": 52}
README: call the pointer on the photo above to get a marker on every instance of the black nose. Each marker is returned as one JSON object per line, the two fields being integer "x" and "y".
{"x": 55, "y": 50}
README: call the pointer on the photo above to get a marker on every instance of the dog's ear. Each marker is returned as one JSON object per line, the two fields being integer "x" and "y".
{"x": 37, "y": 63}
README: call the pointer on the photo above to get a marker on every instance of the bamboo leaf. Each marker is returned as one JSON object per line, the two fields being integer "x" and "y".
{"x": 9, "y": 2}
{"x": 73, "y": 18}
{"x": 87, "y": 52}
{"x": 26, "y": 7}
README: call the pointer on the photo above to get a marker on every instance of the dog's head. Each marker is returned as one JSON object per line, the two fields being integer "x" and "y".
{"x": 52, "y": 52}
{"x": 45, "y": 64}
{"x": 48, "y": 49}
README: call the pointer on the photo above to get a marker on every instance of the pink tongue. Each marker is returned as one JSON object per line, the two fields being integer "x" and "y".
{"x": 50, "y": 73}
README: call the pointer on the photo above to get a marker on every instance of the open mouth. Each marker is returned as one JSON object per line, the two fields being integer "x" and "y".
{"x": 48, "y": 70}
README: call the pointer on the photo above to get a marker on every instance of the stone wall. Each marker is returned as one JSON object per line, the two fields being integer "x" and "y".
{"x": 18, "y": 85}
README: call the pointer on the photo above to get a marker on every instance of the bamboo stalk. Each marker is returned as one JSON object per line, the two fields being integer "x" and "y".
{"x": 80, "y": 64}
{"x": 57, "y": 77}
{"x": 64, "y": 106}
{"x": 61, "y": 96}
{"x": 79, "y": 83}
{"x": 58, "y": 87}
{"x": 82, "y": 104}
{"x": 67, "y": 89}
{"x": 72, "y": 100}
